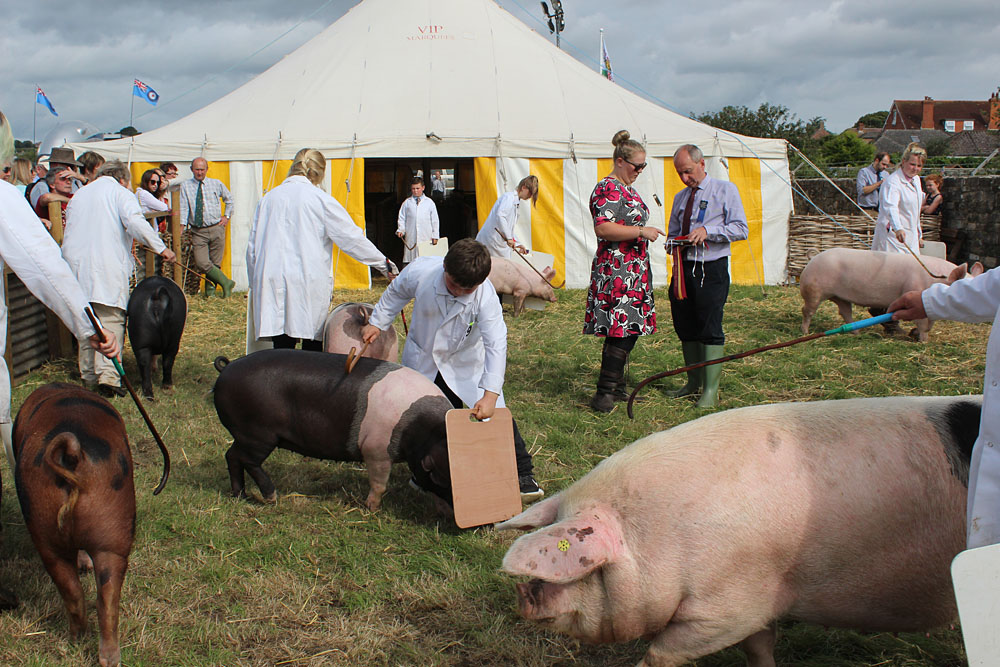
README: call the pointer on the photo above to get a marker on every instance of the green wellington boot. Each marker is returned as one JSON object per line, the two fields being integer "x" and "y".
{"x": 710, "y": 393}
{"x": 225, "y": 283}
{"x": 693, "y": 353}
{"x": 208, "y": 288}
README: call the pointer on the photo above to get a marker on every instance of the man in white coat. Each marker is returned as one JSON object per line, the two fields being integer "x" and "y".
{"x": 31, "y": 253}
{"x": 418, "y": 221}
{"x": 289, "y": 255}
{"x": 457, "y": 338}
{"x": 972, "y": 300}
{"x": 102, "y": 220}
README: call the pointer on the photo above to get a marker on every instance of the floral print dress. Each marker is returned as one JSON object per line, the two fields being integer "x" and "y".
{"x": 620, "y": 299}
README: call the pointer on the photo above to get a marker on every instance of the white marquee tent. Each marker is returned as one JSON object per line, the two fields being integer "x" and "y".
{"x": 462, "y": 79}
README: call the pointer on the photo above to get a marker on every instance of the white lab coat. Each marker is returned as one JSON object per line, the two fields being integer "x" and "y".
{"x": 899, "y": 208}
{"x": 503, "y": 216}
{"x": 978, "y": 300}
{"x": 28, "y": 249}
{"x": 419, "y": 224}
{"x": 464, "y": 338}
{"x": 102, "y": 220}
{"x": 289, "y": 257}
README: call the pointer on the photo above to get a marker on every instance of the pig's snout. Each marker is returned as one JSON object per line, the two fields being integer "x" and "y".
{"x": 529, "y": 598}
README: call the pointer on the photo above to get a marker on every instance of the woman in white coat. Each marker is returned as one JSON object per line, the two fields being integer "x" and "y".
{"x": 900, "y": 199}
{"x": 503, "y": 217}
{"x": 972, "y": 300}
{"x": 290, "y": 250}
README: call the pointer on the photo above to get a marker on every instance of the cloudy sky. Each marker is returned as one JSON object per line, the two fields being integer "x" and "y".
{"x": 838, "y": 59}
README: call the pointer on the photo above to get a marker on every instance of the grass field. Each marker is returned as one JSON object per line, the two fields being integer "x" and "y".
{"x": 318, "y": 580}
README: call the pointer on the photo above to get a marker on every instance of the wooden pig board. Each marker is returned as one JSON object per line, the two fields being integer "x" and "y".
{"x": 976, "y": 576}
{"x": 483, "y": 471}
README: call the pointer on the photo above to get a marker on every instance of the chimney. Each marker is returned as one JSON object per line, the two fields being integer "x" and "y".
{"x": 994, "y": 118}
{"x": 927, "y": 119}
{"x": 861, "y": 127}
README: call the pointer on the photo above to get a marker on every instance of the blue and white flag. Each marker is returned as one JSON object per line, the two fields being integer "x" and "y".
{"x": 41, "y": 98}
{"x": 139, "y": 89}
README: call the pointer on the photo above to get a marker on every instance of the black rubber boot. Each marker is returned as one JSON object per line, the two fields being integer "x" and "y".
{"x": 612, "y": 373}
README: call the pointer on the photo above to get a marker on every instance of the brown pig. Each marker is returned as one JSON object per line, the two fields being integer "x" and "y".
{"x": 517, "y": 279}
{"x": 74, "y": 483}
{"x": 342, "y": 331}
{"x": 870, "y": 278}
{"x": 839, "y": 513}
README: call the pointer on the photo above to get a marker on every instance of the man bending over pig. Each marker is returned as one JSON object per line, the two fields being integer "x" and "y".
{"x": 457, "y": 338}
{"x": 976, "y": 299}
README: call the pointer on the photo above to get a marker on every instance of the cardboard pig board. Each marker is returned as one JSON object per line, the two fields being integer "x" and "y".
{"x": 428, "y": 249}
{"x": 483, "y": 471}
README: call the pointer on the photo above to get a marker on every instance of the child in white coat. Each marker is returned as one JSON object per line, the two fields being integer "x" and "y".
{"x": 457, "y": 338}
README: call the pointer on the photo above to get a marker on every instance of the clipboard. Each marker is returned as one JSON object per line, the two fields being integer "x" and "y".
{"x": 428, "y": 249}
{"x": 975, "y": 574}
{"x": 483, "y": 470}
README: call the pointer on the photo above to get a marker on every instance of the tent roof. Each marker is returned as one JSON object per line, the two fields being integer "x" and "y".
{"x": 389, "y": 78}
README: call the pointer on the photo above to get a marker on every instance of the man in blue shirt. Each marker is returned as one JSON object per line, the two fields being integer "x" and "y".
{"x": 708, "y": 215}
{"x": 870, "y": 180}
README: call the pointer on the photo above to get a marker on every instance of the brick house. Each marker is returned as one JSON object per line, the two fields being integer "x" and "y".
{"x": 946, "y": 115}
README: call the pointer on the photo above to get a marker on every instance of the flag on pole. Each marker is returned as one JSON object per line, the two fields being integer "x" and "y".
{"x": 41, "y": 98}
{"x": 606, "y": 70}
{"x": 139, "y": 89}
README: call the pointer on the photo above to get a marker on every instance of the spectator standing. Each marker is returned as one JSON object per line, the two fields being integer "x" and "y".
{"x": 870, "y": 180}
{"x": 90, "y": 162}
{"x": 21, "y": 174}
{"x": 933, "y": 199}
{"x": 201, "y": 214}
{"x": 59, "y": 157}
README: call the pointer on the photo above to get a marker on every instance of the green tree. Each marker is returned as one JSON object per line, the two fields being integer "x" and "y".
{"x": 874, "y": 119}
{"x": 847, "y": 148}
{"x": 772, "y": 121}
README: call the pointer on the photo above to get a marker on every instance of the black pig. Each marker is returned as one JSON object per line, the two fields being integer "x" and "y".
{"x": 156, "y": 313}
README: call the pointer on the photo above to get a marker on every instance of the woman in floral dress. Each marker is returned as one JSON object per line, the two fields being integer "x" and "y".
{"x": 620, "y": 299}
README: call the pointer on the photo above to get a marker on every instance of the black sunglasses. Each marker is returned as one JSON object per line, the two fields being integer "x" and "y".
{"x": 638, "y": 167}
{"x": 6, "y": 169}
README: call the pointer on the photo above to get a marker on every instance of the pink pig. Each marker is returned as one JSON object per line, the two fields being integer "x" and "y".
{"x": 517, "y": 278}
{"x": 342, "y": 331}
{"x": 841, "y": 513}
{"x": 868, "y": 278}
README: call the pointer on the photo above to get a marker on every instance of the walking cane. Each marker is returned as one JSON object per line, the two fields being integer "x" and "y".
{"x": 852, "y": 326}
{"x": 138, "y": 404}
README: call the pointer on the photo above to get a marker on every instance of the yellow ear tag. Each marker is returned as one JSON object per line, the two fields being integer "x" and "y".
{"x": 563, "y": 545}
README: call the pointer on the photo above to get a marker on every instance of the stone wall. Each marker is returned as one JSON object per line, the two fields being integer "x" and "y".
{"x": 970, "y": 215}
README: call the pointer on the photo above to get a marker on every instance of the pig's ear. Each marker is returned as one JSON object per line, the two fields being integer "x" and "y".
{"x": 568, "y": 550}
{"x": 957, "y": 273}
{"x": 977, "y": 269}
{"x": 536, "y": 516}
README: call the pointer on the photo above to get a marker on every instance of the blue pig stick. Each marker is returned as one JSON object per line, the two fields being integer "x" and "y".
{"x": 852, "y": 326}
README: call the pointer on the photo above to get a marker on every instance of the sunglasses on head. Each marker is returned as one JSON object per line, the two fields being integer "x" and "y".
{"x": 638, "y": 167}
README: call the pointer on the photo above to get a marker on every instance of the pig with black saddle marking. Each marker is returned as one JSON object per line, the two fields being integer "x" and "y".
{"x": 839, "y": 513}
{"x": 157, "y": 309}
{"x": 380, "y": 413}
{"x": 74, "y": 483}
{"x": 342, "y": 331}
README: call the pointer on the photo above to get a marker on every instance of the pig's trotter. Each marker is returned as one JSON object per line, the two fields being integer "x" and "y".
{"x": 264, "y": 482}
{"x": 378, "y": 480}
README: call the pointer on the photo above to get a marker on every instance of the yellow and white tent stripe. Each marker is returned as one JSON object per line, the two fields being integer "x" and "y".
{"x": 561, "y": 224}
